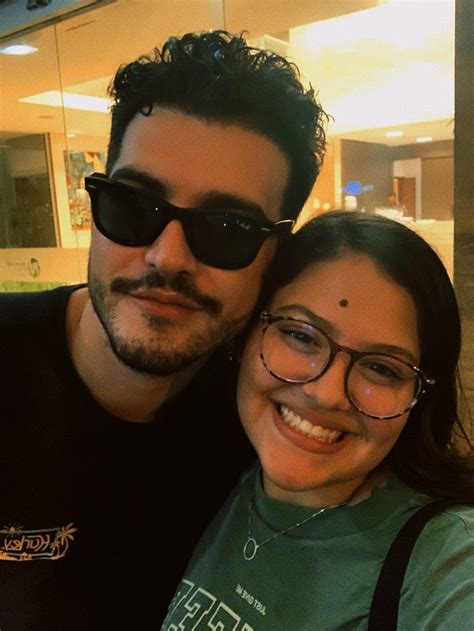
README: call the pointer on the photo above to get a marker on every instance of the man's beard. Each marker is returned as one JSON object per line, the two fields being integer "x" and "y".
{"x": 154, "y": 354}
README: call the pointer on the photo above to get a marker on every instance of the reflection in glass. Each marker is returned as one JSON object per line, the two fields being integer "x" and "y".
{"x": 26, "y": 212}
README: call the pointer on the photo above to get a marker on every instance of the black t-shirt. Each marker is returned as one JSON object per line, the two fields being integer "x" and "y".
{"x": 98, "y": 516}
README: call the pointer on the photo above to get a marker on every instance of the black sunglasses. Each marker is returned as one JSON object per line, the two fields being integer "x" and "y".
{"x": 226, "y": 239}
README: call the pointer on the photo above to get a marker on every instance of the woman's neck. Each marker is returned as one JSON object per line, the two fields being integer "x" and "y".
{"x": 344, "y": 492}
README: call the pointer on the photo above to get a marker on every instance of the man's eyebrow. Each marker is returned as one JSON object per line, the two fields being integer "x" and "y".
{"x": 149, "y": 182}
{"x": 213, "y": 199}
{"x": 218, "y": 199}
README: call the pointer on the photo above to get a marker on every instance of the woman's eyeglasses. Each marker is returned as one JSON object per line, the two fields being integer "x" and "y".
{"x": 225, "y": 239}
{"x": 378, "y": 385}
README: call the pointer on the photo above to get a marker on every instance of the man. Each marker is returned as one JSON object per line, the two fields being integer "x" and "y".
{"x": 119, "y": 443}
{"x": 392, "y": 202}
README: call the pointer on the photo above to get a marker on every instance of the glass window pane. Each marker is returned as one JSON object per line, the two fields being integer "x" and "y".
{"x": 381, "y": 69}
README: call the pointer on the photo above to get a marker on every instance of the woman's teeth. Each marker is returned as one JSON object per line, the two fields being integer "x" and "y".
{"x": 305, "y": 427}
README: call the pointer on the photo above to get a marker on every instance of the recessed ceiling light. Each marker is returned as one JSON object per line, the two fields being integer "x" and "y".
{"x": 18, "y": 49}
{"x": 424, "y": 139}
{"x": 393, "y": 134}
{"x": 55, "y": 98}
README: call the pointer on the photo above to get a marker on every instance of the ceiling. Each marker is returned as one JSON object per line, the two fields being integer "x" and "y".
{"x": 378, "y": 66}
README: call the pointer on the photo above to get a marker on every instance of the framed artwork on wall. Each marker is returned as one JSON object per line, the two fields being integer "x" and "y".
{"x": 79, "y": 164}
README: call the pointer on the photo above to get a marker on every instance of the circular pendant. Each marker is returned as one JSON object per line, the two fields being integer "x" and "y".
{"x": 250, "y": 549}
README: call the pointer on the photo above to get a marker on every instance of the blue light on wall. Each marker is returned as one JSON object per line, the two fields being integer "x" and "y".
{"x": 354, "y": 188}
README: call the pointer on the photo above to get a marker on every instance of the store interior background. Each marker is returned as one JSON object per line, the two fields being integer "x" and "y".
{"x": 383, "y": 69}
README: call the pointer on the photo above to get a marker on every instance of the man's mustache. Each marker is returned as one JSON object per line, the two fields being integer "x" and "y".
{"x": 180, "y": 283}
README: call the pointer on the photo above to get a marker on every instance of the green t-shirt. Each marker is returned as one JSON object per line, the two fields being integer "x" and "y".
{"x": 321, "y": 575}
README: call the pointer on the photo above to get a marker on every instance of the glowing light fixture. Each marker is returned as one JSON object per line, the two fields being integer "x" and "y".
{"x": 424, "y": 139}
{"x": 18, "y": 49}
{"x": 55, "y": 98}
{"x": 393, "y": 134}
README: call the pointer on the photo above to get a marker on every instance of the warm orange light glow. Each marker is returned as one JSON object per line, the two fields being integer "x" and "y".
{"x": 383, "y": 67}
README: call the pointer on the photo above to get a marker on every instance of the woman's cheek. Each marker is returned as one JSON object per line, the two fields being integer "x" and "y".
{"x": 253, "y": 383}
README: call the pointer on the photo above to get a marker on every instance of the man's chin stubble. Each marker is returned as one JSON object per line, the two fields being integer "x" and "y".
{"x": 163, "y": 360}
{"x": 159, "y": 361}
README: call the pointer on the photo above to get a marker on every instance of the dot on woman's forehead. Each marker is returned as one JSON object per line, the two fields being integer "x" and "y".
{"x": 343, "y": 302}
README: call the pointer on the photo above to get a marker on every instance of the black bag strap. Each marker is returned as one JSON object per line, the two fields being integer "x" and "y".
{"x": 383, "y": 615}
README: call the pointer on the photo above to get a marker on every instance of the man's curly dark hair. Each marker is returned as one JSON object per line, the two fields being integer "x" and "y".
{"x": 217, "y": 76}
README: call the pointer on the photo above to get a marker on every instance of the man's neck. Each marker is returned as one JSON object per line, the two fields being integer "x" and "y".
{"x": 125, "y": 393}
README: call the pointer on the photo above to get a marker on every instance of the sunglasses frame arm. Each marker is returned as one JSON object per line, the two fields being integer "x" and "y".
{"x": 283, "y": 227}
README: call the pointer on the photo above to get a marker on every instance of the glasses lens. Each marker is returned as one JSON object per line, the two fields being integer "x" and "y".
{"x": 223, "y": 240}
{"x": 124, "y": 216}
{"x": 382, "y": 386}
{"x": 294, "y": 351}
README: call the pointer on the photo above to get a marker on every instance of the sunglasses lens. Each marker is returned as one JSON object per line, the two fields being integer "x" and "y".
{"x": 124, "y": 217}
{"x": 223, "y": 240}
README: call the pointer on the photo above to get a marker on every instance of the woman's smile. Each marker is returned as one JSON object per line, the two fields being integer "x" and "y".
{"x": 303, "y": 426}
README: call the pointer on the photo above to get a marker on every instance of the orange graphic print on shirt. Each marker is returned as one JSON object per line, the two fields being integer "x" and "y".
{"x": 17, "y": 544}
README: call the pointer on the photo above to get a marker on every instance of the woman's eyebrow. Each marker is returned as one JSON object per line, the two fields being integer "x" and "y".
{"x": 299, "y": 310}
{"x": 308, "y": 315}
{"x": 392, "y": 349}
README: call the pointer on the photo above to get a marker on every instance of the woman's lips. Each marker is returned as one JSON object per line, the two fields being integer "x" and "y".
{"x": 304, "y": 426}
{"x": 306, "y": 435}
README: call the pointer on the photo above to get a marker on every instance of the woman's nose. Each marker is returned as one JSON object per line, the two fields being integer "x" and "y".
{"x": 329, "y": 389}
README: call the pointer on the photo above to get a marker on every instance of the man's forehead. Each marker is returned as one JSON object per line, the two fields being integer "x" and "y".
{"x": 204, "y": 162}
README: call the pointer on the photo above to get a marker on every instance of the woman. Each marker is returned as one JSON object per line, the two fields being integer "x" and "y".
{"x": 347, "y": 391}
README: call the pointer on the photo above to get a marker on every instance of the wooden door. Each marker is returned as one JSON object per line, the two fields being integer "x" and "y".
{"x": 405, "y": 188}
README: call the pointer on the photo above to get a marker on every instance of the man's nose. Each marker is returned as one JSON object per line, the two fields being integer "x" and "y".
{"x": 170, "y": 250}
{"x": 329, "y": 389}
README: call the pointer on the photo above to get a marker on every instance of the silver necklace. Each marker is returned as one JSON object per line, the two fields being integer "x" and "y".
{"x": 251, "y": 546}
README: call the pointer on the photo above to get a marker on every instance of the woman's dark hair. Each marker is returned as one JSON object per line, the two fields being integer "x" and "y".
{"x": 430, "y": 454}
{"x": 216, "y": 76}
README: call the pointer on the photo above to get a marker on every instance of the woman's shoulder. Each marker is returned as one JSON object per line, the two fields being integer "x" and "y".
{"x": 451, "y": 528}
{"x": 438, "y": 591}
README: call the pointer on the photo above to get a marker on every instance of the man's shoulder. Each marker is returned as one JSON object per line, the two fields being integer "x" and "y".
{"x": 24, "y": 308}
